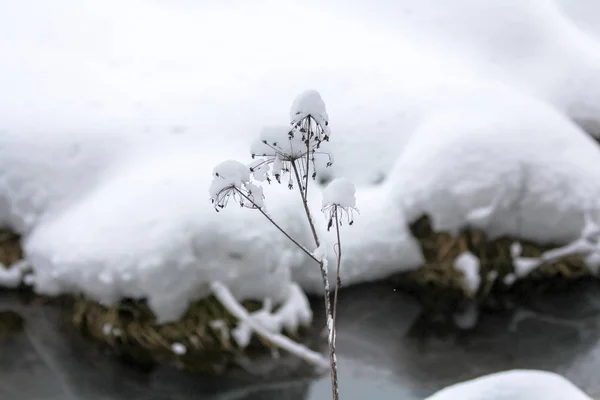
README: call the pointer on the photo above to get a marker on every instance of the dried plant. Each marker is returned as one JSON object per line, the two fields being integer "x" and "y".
{"x": 288, "y": 154}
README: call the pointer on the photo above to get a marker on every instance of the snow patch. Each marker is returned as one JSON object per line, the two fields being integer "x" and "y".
{"x": 178, "y": 349}
{"x": 340, "y": 192}
{"x": 513, "y": 385}
{"x": 468, "y": 264}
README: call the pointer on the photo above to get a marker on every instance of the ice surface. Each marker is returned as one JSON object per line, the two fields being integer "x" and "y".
{"x": 468, "y": 110}
{"x": 513, "y": 385}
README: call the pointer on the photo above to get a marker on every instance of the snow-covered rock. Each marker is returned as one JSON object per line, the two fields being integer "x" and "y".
{"x": 513, "y": 385}
{"x": 537, "y": 168}
{"x": 151, "y": 232}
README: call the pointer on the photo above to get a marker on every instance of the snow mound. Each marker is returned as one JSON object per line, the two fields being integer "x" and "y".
{"x": 513, "y": 385}
{"x": 150, "y": 232}
{"x": 536, "y": 170}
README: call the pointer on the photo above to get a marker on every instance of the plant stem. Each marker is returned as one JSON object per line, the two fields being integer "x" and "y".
{"x": 307, "y": 157}
{"x": 305, "y": 204}
{"x": 326, "y": 292}
{"x": 304, "y": 249}
{"x": 338, "y": 281}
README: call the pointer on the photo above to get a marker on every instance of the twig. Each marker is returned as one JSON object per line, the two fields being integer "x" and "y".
{"x": 304, "y": 249}
{"x": 326, "y": 292}
{"x": 223, "y": 294}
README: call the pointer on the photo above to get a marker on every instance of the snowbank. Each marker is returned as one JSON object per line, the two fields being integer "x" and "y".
{"x": 513, "y": 385}
{"x": 151, "y": 232}
{"x": 534, "y": 169}
{"x": 108, "y": 137}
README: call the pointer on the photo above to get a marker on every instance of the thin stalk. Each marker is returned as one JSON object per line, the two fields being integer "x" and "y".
{"x": 305, "y": 203}
{"x": 326, "y": 292}
{"x": 307, "y": 158}
{"x": 304, "y": 249}
{"x": 338, "y": 281}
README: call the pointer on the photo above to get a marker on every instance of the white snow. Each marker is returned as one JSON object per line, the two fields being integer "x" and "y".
{"x": 502, "y": 150}
{"x": 468, "y": 264}
{"x": 340, "y": 192}
{"x": 513, "y": 385}
{"x": 231, "y": 179}
{"x": 310, "y": 104}
{"x": 9, "y": 277}
{"x": 267, "y": 324}
{"x": 15, "y": 274}
{"x": 320, "y": 252}
{"x": 178, "y": 349}
{"x": 107, "y": 329}
{"x": 229, "y": 173}
{"x": 462, "y": 109}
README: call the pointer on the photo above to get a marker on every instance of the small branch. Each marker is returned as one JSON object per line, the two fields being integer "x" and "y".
{"x": 304, "y": 249}
{"x": 228, "y": 301}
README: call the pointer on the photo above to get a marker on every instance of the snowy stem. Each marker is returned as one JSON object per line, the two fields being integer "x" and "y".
{"x": 307, "y": 157}
{"x": 338, "y": 281}
{"x": 304, "y": 249}
{"x": 326, "y": 292}
{"x": 226, "y": 298}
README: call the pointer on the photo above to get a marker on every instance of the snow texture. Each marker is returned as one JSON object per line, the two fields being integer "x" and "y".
{"x": 513, "y": 385}
{"x": 310, "y": 104}
{"x": 178, "y": 349}
{"x": 14, "y": 275}
{"x": 468, "y": 264}
{"x": 340, "y": 192}
{"x": 471, "y": 111}
{"x": 9, "y": 277}
{"x": 231, "y": 179}
{"x": 267, "y": 324}
{"x": 229, "y": 173}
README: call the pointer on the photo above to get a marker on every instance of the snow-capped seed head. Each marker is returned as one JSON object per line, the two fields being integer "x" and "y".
{"x": 310, "y": 104}
{"x": 339, "y": 198}
{"x": 232, "y": 171}
{"x": 278, "y": 141}
{"x": 232, "y": 179}
{"x": 340, "y": 192}
{"x": 278, "y": 147}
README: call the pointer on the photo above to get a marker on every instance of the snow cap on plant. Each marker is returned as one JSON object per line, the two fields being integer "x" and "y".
{"x": 231, "y": 179}
{"x": 309, "y": 104}
{"x": 280, "y": 147}
{"x": 339, "y": 200}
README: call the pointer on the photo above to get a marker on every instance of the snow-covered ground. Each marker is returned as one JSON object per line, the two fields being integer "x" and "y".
{"x": 114, "y": 113}
{"x": 513, "y": 385}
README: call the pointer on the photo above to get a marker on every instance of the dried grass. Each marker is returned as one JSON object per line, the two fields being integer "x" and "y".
{"x": 130, "y": 329}
{"x": 440, "y": 250}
